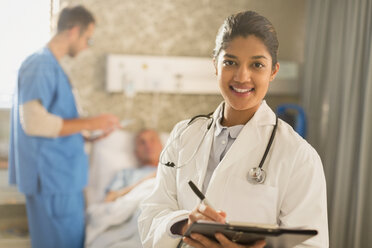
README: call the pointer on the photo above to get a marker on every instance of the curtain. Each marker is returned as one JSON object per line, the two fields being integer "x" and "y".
{"x": 337, "y": 97}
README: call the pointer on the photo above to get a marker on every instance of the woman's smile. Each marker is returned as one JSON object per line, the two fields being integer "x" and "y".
{"x": 241, "y": 91}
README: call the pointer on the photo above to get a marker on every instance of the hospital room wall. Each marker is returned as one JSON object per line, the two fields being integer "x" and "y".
{"x": 170, "y": 28}
{"x": 4, "y": 135}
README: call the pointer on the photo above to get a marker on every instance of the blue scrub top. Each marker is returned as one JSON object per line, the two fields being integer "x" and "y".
{"x": 38, "y": 164}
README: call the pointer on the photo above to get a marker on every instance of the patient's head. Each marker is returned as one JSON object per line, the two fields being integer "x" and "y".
{"x": 148, "y": 147}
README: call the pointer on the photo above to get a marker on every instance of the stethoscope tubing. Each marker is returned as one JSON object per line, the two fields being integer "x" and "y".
{"x": 269, "y": 144}
{"x": 171, "y": 164}
{"x": 253, "y": 179}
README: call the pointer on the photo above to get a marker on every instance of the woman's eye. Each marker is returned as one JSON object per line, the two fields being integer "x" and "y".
{"x": 228, "y": 62}
{"x": 258, "y": 65}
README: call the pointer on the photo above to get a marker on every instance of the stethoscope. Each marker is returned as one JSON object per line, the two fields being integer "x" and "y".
{"x": 255, "y": 175}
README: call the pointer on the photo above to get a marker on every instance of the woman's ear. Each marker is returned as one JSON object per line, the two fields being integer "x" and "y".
{"x": 274, "y": 71}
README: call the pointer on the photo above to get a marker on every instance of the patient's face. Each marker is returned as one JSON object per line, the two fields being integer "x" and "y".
{"x": 148, "y": 147}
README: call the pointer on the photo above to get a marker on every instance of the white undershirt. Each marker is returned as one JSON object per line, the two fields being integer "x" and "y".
{"x": 223, "y": 139}
{"x": 37, "y": 121}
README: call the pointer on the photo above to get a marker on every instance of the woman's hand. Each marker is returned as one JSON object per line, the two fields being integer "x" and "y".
{"x": 204, "y": 212}
{"x": 200, "y": 241}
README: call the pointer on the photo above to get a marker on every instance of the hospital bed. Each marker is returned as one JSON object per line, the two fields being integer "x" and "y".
{"x": 113, "y": 224}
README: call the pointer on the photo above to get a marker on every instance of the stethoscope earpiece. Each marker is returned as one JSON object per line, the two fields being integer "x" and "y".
{"x": 256, "y": 175}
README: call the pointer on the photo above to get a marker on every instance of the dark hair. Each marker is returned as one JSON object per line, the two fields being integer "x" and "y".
{"x": 244, "y": 24}
{"x": 74, "y": 16}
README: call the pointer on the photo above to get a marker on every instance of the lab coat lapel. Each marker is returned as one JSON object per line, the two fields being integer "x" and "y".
{"x": 250, "y": 137}
{"x": 243, "y": 148}
{"x": 244, "y": 144}
{"x": 202, "y": 157}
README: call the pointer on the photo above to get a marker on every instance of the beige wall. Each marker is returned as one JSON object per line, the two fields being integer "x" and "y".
{"x": 166, "y": 27}
{"x": 170, "y": 27}
{"x": 4, "y": 133}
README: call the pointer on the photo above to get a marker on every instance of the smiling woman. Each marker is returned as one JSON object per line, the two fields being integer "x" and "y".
{"x": 27, "y": 25}
{"x": 244, "y": 71}
{"x": 222, "y": 155}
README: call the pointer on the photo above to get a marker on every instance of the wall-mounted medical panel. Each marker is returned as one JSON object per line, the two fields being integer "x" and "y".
{"x": 183, "y": 75}
{"x": 286, "y": 81}
{"x": 164, "y": 74}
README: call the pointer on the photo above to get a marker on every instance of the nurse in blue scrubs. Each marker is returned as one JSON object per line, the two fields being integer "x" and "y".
{"x": 47, "y": 159}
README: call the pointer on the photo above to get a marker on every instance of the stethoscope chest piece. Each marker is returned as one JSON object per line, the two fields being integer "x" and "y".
{"x": 256, "y": 175}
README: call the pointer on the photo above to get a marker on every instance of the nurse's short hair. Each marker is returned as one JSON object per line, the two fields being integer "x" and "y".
{"x": 71, "y": 17}
{"x": 244, "y": 24}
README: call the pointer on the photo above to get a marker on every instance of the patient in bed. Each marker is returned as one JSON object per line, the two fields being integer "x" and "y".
{"x": 113, "y": 223}
{"x": 147, "y": 149}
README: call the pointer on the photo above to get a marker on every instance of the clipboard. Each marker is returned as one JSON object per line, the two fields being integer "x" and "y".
{"x": 246, "y": 233}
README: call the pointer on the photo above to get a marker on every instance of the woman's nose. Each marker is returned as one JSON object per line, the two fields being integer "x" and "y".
{"x": 242, "y": 75}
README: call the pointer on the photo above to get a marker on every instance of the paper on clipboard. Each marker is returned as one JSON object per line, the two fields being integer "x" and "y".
{"x": 248, "y": 233}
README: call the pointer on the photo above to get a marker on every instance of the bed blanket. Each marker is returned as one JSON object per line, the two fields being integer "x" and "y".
{"x": 109, "y": 223}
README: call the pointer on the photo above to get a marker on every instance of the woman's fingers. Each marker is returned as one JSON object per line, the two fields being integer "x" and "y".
{"x": 195, "y": 216}
{"x": 192, "y": 242}
{"x": 259, "y": 244}
{"x": 211, "y": 213}
{"x": 222, "y": 213}
{"x": 204, "y": 212}
{"x": 226, "y": 243}
{"x": 200, "y": 241}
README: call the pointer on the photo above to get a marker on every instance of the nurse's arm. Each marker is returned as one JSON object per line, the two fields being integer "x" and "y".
{"x": 105, "y": 122}
{"x": 37, "y": 121}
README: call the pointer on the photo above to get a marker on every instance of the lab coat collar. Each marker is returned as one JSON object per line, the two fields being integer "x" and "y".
{"x": 218, "y": 125}
{"x": 263, "y": 116}
{"x": 233, "y": 131}
{"x": 248, "y": 138}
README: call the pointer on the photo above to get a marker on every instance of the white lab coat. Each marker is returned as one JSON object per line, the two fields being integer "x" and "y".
{"x": 293, "y": 194}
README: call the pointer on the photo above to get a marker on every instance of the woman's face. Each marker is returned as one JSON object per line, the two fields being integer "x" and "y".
{"x": 244, "y": 71}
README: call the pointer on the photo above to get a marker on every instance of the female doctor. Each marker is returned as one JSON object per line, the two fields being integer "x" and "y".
{"x": 221, "y": 154}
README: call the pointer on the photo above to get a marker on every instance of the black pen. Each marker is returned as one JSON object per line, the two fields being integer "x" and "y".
{"x": 200, "y": 194}
{"x": 202, "y": 197}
